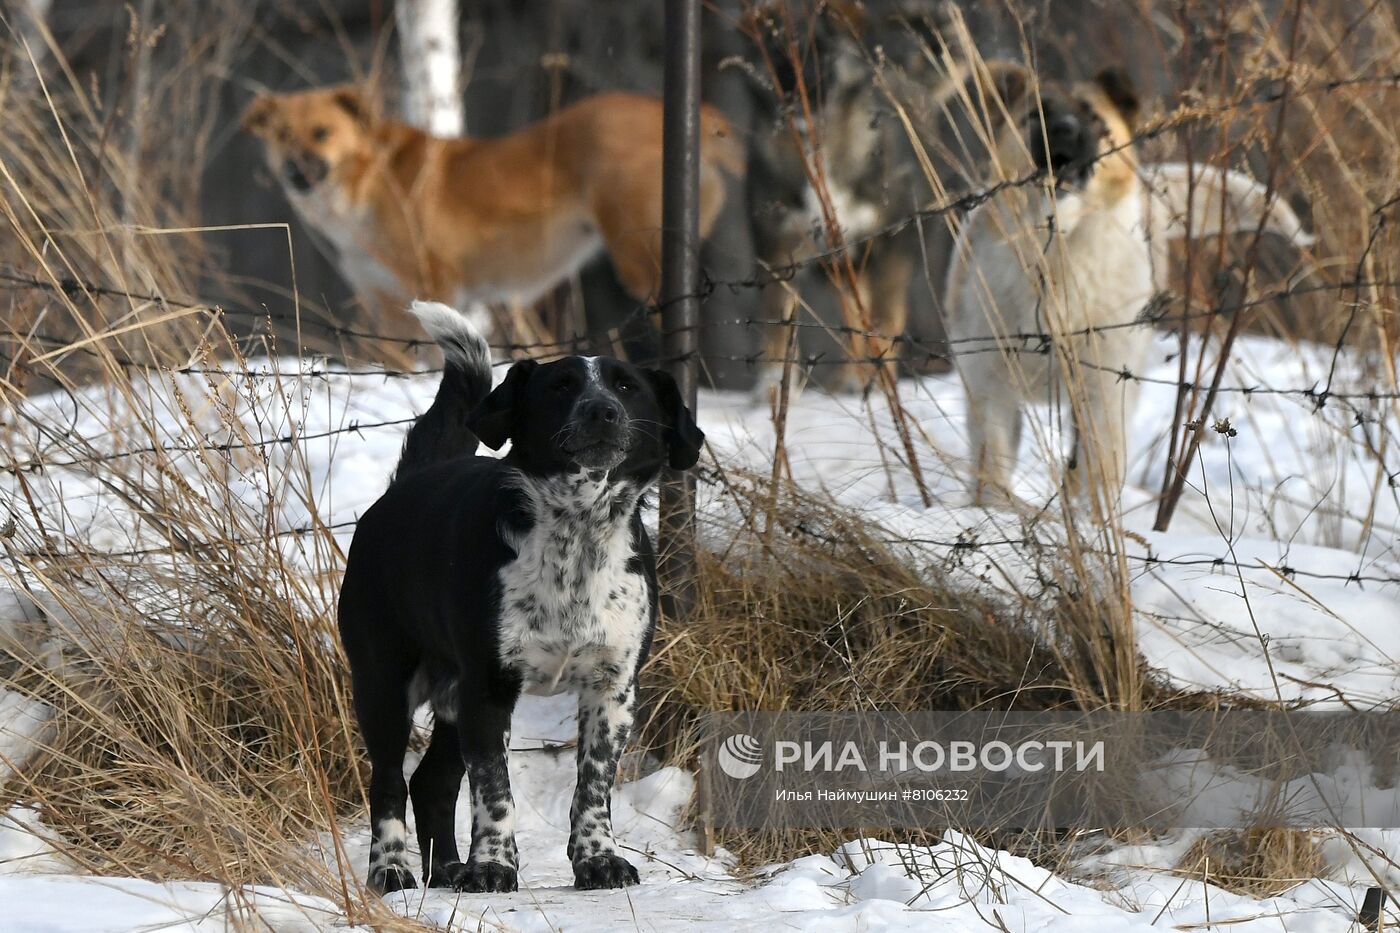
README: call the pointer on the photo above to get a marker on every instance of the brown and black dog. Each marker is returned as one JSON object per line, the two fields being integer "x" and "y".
{"x": 481, "y": 221}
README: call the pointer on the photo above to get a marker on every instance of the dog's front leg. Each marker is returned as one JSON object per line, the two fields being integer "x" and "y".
{"x": 1102, "y": 404}
{"x": 492, "y": 864}
{"x": 604, "y": 727}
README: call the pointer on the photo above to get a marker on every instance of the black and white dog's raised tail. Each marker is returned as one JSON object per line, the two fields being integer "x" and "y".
{"x": 441, "y": 433}
{"x": 474, "y": 579}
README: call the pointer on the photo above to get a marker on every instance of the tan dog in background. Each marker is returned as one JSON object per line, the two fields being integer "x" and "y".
{"x": 481, "y": 221}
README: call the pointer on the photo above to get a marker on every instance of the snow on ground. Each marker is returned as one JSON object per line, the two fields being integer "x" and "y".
{"x": 72, "y": 904}
{"x": 1287, "y": 543}
{"x": 40, "y": 894}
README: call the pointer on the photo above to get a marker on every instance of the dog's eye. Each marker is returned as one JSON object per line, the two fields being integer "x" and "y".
{"x": 564, "y": 386}
{"x": 623, "y": 384}
{"x": 319, "y": 133}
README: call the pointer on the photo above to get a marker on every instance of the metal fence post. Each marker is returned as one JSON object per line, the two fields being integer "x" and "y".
{"x": 680, "y": 282}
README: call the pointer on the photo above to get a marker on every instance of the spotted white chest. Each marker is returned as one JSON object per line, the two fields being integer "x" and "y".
{"x": 573, "y": 615}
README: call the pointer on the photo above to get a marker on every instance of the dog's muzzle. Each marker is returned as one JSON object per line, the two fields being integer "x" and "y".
{"x": 1064, "y": 143}
{"x": 599, "y": 434}
{"x": 304, "y": 173}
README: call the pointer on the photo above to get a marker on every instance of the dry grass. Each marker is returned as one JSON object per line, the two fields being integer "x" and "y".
{"x": 1260, "y": 862}
{"x": 821, "y": 611}
{"x": 219, "y": 728}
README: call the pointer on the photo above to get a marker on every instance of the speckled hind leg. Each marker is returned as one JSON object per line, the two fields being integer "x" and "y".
{"x": 492, "y": 865}
{"x": 604, "y": 727}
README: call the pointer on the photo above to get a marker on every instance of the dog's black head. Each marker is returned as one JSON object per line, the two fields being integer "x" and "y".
{"x": 592, "y": 413}
{"x": 1082, "y": 132}
{"x": 1063, "y": 134}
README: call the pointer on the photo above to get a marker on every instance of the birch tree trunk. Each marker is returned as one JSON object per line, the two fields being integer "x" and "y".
{"x": 432, "y": 65}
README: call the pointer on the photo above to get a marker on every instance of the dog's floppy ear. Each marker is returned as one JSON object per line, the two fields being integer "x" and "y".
{"x": 493, "y": 421}
{"x": 999, "y": 86}
{"x": 683, "y": 436}
{"x": 1118, "y": 87}
{"x": 356, "y": 102}
{"x": 259, "y": 113}
{"x": 1009, "y": 81}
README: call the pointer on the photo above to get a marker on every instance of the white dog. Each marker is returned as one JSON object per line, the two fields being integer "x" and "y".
{"x": 1078, "y": 258}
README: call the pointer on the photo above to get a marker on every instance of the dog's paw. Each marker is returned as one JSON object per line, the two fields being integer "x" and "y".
{"x": 604, "y": 871}
{"x": 486, "y": 878}
{"x": 386, "y": 879}
{"x": 446, "y": 875}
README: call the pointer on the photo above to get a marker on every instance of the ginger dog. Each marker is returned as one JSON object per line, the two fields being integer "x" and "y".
{"x": 481, "y": 221}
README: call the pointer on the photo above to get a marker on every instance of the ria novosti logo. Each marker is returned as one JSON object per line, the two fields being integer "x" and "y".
{"x": 740, "y": 756}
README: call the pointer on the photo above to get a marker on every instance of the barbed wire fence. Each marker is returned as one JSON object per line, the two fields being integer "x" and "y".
{"x": 1360, "y": 405}
{"x": 1363, "y": 407}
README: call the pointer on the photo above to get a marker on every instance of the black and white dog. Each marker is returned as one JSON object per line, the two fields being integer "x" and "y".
{"x": 474, "y": 579}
